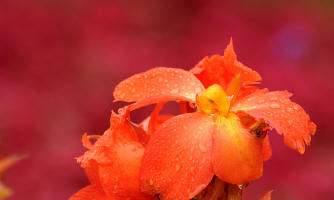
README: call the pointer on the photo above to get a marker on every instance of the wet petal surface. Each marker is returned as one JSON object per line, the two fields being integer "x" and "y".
{"x": 159, "y": 84}
{"x": 237, "y": 154}
{"x": 116, "y": 159}
{"x": 287, "y": 117}
{"x": 177, "y": 159}
{"x": 222, "y": 69}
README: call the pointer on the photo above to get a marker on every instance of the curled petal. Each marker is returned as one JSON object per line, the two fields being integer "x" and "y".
{"x": 88, "y": 193}
{"x": 159, "y": 84}
{"x": 222, "y": 69}
{"x": 177, "y": 160}
{"x": 92, "y": 172}
{"x": 237, "y": 154}
{"x": 113, "y": 162}
{"x": 267, "y": 196}
{"x": 287, "y": 117}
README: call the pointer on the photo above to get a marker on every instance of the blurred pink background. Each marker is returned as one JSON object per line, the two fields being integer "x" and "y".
{"x": 61, "y": 59}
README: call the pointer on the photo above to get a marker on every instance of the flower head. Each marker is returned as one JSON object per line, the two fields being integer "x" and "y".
{"x": 112, "y": 164}
{"x": 225, "y": 136}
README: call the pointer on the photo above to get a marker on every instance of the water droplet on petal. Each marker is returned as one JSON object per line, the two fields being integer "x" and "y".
{"x": 273, "y": 98}
{"x": 274, "y": 105}
{"x": 177, "y": 167}
{"x": 242, "y": 186}
{"x": 174, "y": 91}
{"x": 202, "y": 148}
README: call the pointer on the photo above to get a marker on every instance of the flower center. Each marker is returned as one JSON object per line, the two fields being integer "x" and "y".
{"x": 215, "y": 100}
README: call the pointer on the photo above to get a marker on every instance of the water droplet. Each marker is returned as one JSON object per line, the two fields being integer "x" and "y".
{"x": 192, "y": 149}
{"x": 295, "y": 107}
{"x": 202, "y": 148}
{"x": 122, "y": 95}
{"x": 198, "y": 90}
{"x": 242, "y": 186}
{"x": 177, "y": 167}
{"x": 192, "y": 83}
{"x": 274, "y": 105}
{"x": 160, "y": 79}
{"x": 273, "y": 98}
{"x": 151, "y": 182}
{"x": 192, "y": 169}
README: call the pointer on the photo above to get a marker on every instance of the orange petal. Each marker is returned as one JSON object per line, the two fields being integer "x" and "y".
{"x": 116, "y": 158}
{"x": 159, "y": 84}
{"x": 234, "y": 88}
{"x": 267, "y": 196}
{"x": 88, "y": 193}
{"x": 287, "y": 117}
{"x": 158, "y": 121}
{"x": 177, "y": 160}
{"x": 267, "y": 152}
{"x": 92, "y": 172}
{"x": 121, "y": 178}
{"x": 11, "y": 160}
{"x": 221, "y": 70}
{"x": 237, "y": 154}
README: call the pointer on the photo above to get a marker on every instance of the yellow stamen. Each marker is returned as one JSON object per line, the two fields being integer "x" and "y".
{"x": 234, "y": 87}
{"x": 214, "y": 100}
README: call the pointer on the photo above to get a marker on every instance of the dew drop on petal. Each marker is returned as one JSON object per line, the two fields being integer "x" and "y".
{"x": 242, "y": 186}
{"x": 177, "y": 167}
{"x": 273, "y": 98}
{"x": 174, "y": 91}
{"x": 274, "y": 105}
{"x": 202, "y": 148}
{"x": 115, "y": 187}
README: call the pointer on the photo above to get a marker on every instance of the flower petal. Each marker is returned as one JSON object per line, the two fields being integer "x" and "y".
{"x": 237, "y": 154}
{"x": 88, "y": 193}
{"x": 221, "y": 70}
{"x": 121, "y": 178}
{"x": 287, "y": 117}
{"x": 267, "y": 152}
{"x": 177, "y": 159}
{"x": 267, "y": 196}
{"x": 116, "y": 158}
{"x": 159, "y": 84}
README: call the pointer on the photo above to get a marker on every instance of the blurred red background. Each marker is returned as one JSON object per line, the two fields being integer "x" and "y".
{"x": 61, "y": 59}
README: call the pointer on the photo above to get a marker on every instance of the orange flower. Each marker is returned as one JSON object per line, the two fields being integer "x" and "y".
{"x": 112, "y": 164}
{"x": 225, "y": 136}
